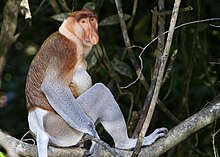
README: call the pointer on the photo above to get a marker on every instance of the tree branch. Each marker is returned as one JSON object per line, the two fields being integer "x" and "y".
{"x": 4, "y": 142}
{"x": 176, "y": 135}
{"x": 7, "y": 34}
{"x": 157, "y": 81}
{"x": 134, "y": 62}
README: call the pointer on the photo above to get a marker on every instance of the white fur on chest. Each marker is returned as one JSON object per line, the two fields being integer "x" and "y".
{"x": 81, "y": 79}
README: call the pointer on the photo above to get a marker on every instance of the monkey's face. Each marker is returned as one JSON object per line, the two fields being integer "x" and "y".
{"x": 89, "y": 26}
{"x": 85, "y": 27}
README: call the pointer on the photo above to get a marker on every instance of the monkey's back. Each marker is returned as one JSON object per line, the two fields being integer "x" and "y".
{"x": 55, "y": 46}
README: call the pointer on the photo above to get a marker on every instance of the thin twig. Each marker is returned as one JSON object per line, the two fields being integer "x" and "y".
{"x": 195, "y": 149}
{"x": 164, "y": 13}
{"x": 214, "y": 63}
{"x": 133, "y": 14}
{"x": 122, "y": 23}
{"x": 128, "y": 44}
{"x": 213, "y": 141}
{"x": 64, "y": 5}
{"x": 39, "y": 7}
{"x": 170, "y": 66}
{"x": 161, "y": 26}
{"x": 215, "y": 26}
{"x": 144, "y": 48}
{"x": 154, "y": 23}
{"x": 28, "y": 139}
{"x": 153, "y": 98}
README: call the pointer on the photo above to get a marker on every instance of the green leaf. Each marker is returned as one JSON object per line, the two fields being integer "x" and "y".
{"x": 89, "y": 6}
{"x": 2, "y": 154}
{"x": 141, "y": 27}
{"x": 122, "y": 68}
{"x": 113, "y": 19}
{"x": 60, "y": 17}
{"x": 91, "y": 59}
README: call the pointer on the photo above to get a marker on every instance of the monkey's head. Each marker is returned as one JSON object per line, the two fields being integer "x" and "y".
{"x": 84, "y": 25}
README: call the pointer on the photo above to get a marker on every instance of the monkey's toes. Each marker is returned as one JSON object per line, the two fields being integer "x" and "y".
{"x": 162, "y": 132}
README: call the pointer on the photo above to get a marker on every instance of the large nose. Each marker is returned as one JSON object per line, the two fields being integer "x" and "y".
{"x": 91, "y": 34}
{"x": 94, "y": 37}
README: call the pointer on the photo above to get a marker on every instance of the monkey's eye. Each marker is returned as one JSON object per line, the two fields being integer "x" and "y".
{"x": 92, "y": 19}
{"x": 83, "y": 21}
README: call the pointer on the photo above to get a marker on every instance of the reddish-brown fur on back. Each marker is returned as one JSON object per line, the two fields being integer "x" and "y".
{"x": 55, "y": 47}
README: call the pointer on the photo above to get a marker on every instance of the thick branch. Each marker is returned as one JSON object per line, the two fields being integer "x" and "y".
{"x": 176, "y": 135}
{"x": 4, "y": 142}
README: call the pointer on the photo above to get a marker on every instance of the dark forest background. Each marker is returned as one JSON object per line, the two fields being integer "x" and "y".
{"x": 193, "y": 82}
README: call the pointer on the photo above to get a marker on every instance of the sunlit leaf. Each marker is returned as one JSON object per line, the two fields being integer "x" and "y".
{"x": 60, "y": 17}
{"x": 89, "y": 6}
{"x": 122, "y": 68}
{"x": 2, "y": 154}
{"x": 113, "y": 19}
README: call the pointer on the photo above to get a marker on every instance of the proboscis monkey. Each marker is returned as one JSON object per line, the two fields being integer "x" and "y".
{"x": 62, "y": 103}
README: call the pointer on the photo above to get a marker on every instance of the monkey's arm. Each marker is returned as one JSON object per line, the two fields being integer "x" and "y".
{"x": 62, "y": 101}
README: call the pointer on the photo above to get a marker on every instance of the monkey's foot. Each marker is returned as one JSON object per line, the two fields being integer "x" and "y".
{"x": 93, "y": 151}
{"x": 158, "y": 133}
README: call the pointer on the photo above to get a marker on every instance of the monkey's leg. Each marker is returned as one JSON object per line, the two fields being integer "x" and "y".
{"x": 100, "y": 105}
{"x": 42, "y": 143}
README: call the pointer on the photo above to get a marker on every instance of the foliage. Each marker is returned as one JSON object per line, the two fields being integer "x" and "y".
{"x": 2, "y": 154}
{"x": 193, "y": 80}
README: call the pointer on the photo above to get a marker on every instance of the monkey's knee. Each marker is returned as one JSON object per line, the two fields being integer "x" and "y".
{"x": 102, "y": 90}
{"x": 99, "y": 86}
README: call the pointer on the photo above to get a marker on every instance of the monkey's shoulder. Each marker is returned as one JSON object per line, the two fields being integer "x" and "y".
{"x": 57, "y": 45}
{"x": 58, "y": 42}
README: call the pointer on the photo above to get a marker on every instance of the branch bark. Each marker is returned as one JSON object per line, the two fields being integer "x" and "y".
{"x": 4, "y": 142}
{"x": 7, "y": 34}
{"x": 176, "y": 135}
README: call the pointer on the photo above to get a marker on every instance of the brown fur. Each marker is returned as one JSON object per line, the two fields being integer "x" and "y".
{"x": 55, "y": 47}
{"x": 75, "y": 90}
{"x": 83, "y": 14}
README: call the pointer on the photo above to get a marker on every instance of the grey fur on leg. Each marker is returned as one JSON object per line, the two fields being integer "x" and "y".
{"x": 99, "y": 104}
